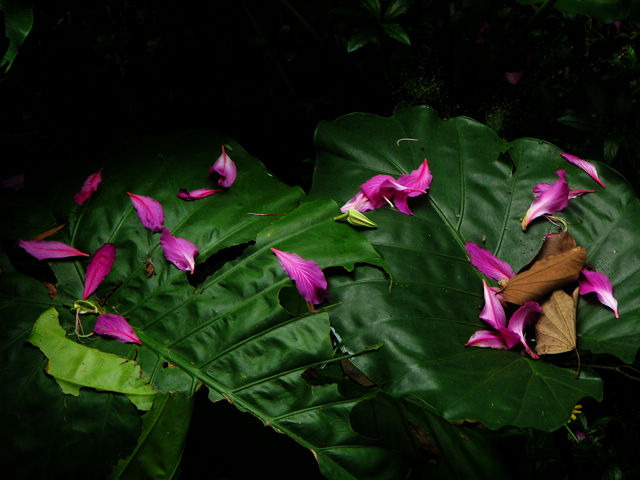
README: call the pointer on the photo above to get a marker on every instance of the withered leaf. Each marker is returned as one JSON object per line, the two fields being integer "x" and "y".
{"x": 556, "y": 243}
{"x": 556, "y": 328}
{"x": 354, "y": 373}
{"x": 546, "y": 275}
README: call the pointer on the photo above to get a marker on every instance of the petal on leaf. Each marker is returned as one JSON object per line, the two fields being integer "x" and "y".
{"x": 98, "y": 268}
{"x": 88, "y": 188}
{"x": 588, "y": 167}
{"x": 492, "y": 313}
{"x": 225, "y": 167}
{"x": 149, "y": 211}
{"x": 549, "y": 199}
{"x": 117, "y": 327}
{"x": 195, "y": 194}
{"x": 599, "y": 283}
{"x": 488, "y": 264}
{"x": 487, "y": 339}
{"x": 360, "y": 203}
{"x": 178, "y": 251}
{"x": 521, "y": 318}
{"x": 307, "y": 275}
{"x": 42, "y": 249}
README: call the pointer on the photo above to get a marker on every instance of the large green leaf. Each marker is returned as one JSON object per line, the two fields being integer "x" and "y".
{"x": 481, "y": 188}
{"x": 18, "y": 20}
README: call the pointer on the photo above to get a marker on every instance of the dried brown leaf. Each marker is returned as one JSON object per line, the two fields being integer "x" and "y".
{"x": 556, "y": 328}
{"x": 556, "y": 243}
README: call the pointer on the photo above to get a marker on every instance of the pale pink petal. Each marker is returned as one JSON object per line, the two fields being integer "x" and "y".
{"x": 42, "y": 249}
{"x": 513, "y": 77}
{"x": 117, "y": 327}
{"x": 492, "y": 313}
{"x": 225, "y": 167}
{"x": 489, "y": 265}
{"x": 149, "y": 211}
{"x": 98, "y": 268}
{"x": 196, "y": 194}
{"x": 598, "y": 283}
{"x": 521, "y": 318}
{"x": 178, "y": 251}
{"x": 307, "y": 275}
{"x": 360, "y": 203}
{"x": 487, "y": 339}
{"x": 588, "y": 167}
{"x": 88, "y": 188}
{"x": 550, "y": 200}
{"x": 580, "y": 436}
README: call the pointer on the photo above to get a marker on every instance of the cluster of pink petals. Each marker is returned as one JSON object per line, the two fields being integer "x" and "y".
{"x": 383, "y": 189}
{"x": 98, "y": 268}
{"x": 588, "y": 167}
{"x": 195, "y": 194}
{"x": 225, "y": 167}
{"x": 117, "y": 327}
{"x": 307, "y": 275}
{"x": 178, "y": 251}
{"x": 550, "y": 198}
{"x": 45, "y": 249}
{"x": 89, "y": 187}
{"x": 149, "y": 211}
{"x": 598, "y": 283}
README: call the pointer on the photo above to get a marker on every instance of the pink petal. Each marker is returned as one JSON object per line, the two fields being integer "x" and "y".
{"x": 492, "y": 313}
{"x": 579, "y": 193}
{"x": 486, "y": 338}
{"x": 543, "y": 187}
{"x": 360, "y": 203}
{"x": 196, "y": 194}
{"x": 117, "y": 327}
{"x": 549, "y": 200}
{"x": 307, "y": 275}
{"x": 489, "y": 265}
{"x": 149, "y": 211}
{"x": 225, "y": 167}
{"x": 521, "y": 318}
{"x": 588, "y": 167}
{"x": 88, "y": 188}
{"x": 178, "y": 251}
{"x": 513, "y": 77}
{"x": 598, "y": 283}
{"x": 379, "y": 189}
{"x": 98, "y": 268}
{"x": 418, "y": 181}
{"x": 42, "y": 249}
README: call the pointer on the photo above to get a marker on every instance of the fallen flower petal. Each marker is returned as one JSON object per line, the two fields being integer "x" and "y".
{"x": 598, "y": 283}
{"x": 98, "y": 268}
{"x": 307, "y": 275}
{"x": 489, "y": 265}
{"x": 379, "y": 189}
{"x": 521, "y": 318}
{"x": 42, "y": 249}
{"x": 149, "y": 211}
{"x": 492, "y": 313}
{"x": 178, "y": 251}
{"x": 195, "y": 194}
{"x": 549, "y": 200}
{"x": 513, "y": 77}
{"x": 360, "y": 203}
{"x": 588, "y": 167}
{"x": 543, "y": 187}
{"x": 487, "y": 339}
{"x": 88, "y": 188}
{"x": 225, "y": 167}
{"x": 117, "y": 327}
{"x": 419, "y": 181}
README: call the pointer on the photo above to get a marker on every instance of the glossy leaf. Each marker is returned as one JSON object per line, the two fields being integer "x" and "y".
{"x": 18, "y": 20}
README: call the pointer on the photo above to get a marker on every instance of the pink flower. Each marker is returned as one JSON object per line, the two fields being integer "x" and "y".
{"x": 196, "y": 194}
{"x": 513, "y": 77}
{"x": 226, "y": 168}
{"x": 543, "y": 187}
{"x": 598, "y": 283}
{"x": 489, "y": 265}
{"x": 88, "y": 188}
{"x": 117, "y": 327}
{"x": 149, "y": 211}
{"x": 98, "y": 268}
{"x": 549, "y": 200}
{"x": 360, "y": 203}
{"x": 178, "y": 251}
{"x": 307, "y": 275}
{"x": 42, "y": 249}
{"x": 588, "y": 167}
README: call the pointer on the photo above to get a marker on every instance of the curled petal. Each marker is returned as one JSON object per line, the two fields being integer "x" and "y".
{"x": 379, "y": 189}
{"x": 307, "y": 275}
{"x": 598, "y": 283}
{"x": 98, "y": 268}
{"x": 117, "y": 327}
{"x": 360, "y": 203}
{"x": 487, "y": 339}
{"x": 588, "y": 167}
{"x": 225, "y": 167}
{"x": 42, "y": 249}
{"x": 492, "y": 313}
{"x": 521, "y": 318}
{"x": 489, "y": 265}
{"x": 543, "y": 187}
{"x": 88, "y": 188}
{"x": 549, "y": 200}
{"x": 419, "y": 181}
{"x": 195, "y": 194}
{"x": 178, "y": 251}
{"x": 149, "y": 211}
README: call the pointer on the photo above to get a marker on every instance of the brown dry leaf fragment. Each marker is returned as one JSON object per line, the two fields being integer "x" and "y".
{"x": 551, "y": 273}
{"x": 556, "y": 328}
{"x": 355, "y": 374}
{"x": 426, "y": 442}
{"x": 51, "y": 290}
{"x": 48, "y": 233}
{"x": 556, "y": 243}
{"x": 149, "y": 269}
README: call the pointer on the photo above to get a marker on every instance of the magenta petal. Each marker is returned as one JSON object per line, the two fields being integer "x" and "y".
{"x": 379, "y": 189}
{"x": 489, "y": 265}
{"x": 307, "y": 275}
{"x": 521, "y": 318}
{"x": 418, "y": 181}
{"x": 579, "y": 193}
{"x": 88, "y": 188}
{"x": 599, "y": 283}
{"x": 225, "y": 167}
{"x": 543, "y": 187}
{"x": 117, "y": 327}
{"x": 196, "y": 194}
{"x": 588, "y": 167}
{"x": 551, "y": 199}
{"x": 98, "y": 268}
{"x": 513, "y": 77}
{"x": 149, "y": 211}
{"x": 178, "y": 251}
{"x": 360, "y": 203}
{"x": 42, "y": 249}
{"x": 492, "y": 313}
{"x": 487, "y": 339}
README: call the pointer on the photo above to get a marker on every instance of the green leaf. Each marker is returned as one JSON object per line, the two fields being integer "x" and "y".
{"x": 18, "y": 20}
{"x": 478, "y": 194}
{"x": 75, "y": 366}
{"x": 397, "y": 8}
{"x": 396, "y": 32}
{"x": 359, "y": 40}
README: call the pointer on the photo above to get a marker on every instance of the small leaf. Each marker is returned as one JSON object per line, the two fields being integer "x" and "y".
{"x": 396, "y": 32}
{"x": 556, "y": 328}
